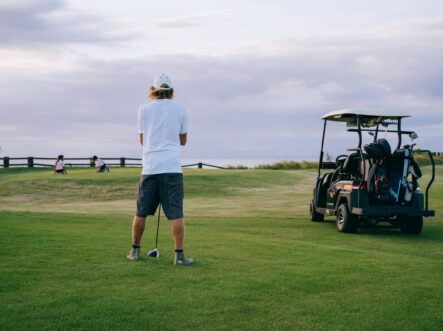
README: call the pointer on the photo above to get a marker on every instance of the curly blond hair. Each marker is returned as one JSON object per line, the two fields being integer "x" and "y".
{"x": 155, "y": 93}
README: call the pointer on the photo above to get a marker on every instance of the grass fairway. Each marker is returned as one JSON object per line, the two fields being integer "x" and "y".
{"x": 261, "y": 265}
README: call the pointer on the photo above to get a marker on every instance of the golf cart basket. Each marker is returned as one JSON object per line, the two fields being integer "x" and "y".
{"x": 373, "y": 183}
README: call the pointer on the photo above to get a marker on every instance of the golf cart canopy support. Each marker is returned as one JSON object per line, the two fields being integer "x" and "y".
{"x": 359, "y": 120}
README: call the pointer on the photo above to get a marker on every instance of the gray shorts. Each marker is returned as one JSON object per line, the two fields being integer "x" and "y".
{"x": 164, "y": 188}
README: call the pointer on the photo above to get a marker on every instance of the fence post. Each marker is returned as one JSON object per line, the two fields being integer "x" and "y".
{"x": 30, "y": 162}
{"x": 6, "y": 162}
{"x": 122, "y": 162}
{"x": 200, "y": 165}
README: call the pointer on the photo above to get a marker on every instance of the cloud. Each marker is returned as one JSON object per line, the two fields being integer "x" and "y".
{"x": 245, "y": 105}
{"x": 14, "y": 7}
{"x": 411, "y": 26}
{"x": 41, "y": 23}
{"x": 192, "y": 20}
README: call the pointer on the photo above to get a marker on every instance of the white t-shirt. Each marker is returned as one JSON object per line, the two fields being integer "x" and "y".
{"x": 99, "y": 163}
{"x": 161, "y": 121}
{"x": 60, "y": 165}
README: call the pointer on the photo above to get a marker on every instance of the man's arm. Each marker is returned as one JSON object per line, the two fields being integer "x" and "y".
{"x": 183, "y": 138}
{"x": 141, "y": 139}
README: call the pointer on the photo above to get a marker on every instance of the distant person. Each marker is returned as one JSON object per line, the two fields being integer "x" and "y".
{"x": 163, "y": 127}
{"x": 100, "y": 165}
{"x": 59, "y": 166}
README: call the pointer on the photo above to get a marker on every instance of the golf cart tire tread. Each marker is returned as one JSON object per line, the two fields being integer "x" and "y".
{"x": 315, "y": 217}
{"x": 411, "y": 225}
{"x": 346, "y": 222}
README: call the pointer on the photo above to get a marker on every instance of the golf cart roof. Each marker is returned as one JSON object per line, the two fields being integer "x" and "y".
{"x": 368, "y": 117}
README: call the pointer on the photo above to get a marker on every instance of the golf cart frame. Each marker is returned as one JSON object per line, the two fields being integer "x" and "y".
{"x": 343, "y": 192}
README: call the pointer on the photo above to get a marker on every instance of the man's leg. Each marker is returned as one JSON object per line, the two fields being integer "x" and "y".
{"x": 147, "y": 202}
{"x": 178, "y": 231}
{"x": 171, "y": 196}
{"x": 138, "y": 227}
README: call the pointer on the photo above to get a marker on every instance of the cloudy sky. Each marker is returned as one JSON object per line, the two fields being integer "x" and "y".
{"x": 254, "y": 76}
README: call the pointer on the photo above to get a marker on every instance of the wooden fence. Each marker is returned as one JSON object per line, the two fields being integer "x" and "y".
{"x": 32, "y": 161}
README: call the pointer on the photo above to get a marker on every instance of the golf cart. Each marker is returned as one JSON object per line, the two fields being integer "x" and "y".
{"x": 371, "y": 183}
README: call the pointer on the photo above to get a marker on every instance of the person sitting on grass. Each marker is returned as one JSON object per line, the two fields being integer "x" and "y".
{"x": 100, "y": 165}
{"x": 59, "y": 166}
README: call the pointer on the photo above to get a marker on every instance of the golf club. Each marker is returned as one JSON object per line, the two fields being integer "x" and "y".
{"x": 155, "y": 252}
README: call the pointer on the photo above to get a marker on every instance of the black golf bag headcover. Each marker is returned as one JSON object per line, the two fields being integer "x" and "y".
{"x": 378, "y": 150}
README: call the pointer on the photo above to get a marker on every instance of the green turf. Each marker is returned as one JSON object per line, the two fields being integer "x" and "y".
{"x": 261, "y": 265}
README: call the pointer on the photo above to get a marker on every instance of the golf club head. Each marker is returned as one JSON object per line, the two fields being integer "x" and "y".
{"x": 154, "y": 253}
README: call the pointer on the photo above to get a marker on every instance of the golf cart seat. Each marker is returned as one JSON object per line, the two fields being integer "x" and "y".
{"x": 351, "y": 168}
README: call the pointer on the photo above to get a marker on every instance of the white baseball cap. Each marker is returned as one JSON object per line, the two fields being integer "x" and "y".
{"x": 162, "y": 79}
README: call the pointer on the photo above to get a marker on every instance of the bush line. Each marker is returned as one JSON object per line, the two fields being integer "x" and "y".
{"x": 421, "y": 159}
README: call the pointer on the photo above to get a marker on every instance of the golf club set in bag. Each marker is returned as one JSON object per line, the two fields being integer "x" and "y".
{"x": 155, "y": 252}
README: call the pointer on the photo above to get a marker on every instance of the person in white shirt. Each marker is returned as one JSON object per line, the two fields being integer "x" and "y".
{"x": 163, "y": 128}
{"x": 59, "y": 166}
{"x": 100, "y": 165}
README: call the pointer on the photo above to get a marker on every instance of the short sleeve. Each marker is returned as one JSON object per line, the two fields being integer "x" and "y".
{"x": 140, "y": 120}
{"x": 184, "y": 124}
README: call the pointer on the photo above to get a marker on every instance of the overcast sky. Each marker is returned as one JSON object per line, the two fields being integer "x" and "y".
{"x": 254, "y": 76}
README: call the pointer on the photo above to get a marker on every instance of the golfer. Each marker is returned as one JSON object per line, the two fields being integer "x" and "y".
{"x": 163, "y": 127}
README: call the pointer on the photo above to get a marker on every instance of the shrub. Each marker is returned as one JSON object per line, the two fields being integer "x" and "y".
{"x": 237, "y": 167}
{"x": 288, "y": 165}
{"x": 422, "y": 158}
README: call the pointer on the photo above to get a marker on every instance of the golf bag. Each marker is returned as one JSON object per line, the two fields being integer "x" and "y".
{"x": 379, "y": 186}
{"x": 404, "y": 175}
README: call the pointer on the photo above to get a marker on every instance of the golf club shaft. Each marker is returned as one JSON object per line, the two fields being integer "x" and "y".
{"x": 158, "y": 223}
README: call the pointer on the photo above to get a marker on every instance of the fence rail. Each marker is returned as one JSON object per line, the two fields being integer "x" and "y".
{"x": 32, "y": 161}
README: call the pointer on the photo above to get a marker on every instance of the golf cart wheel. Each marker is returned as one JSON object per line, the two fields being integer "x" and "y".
{"x": 411, "y": 225}
{"x": 346, "y": 222}
{"x": 315, "y": 217}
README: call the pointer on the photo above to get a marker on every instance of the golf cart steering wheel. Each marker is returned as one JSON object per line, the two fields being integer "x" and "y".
{"x": 339, "y": 160}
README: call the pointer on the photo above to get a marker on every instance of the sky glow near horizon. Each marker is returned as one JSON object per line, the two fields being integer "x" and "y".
{"x": 254, "y": 76}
